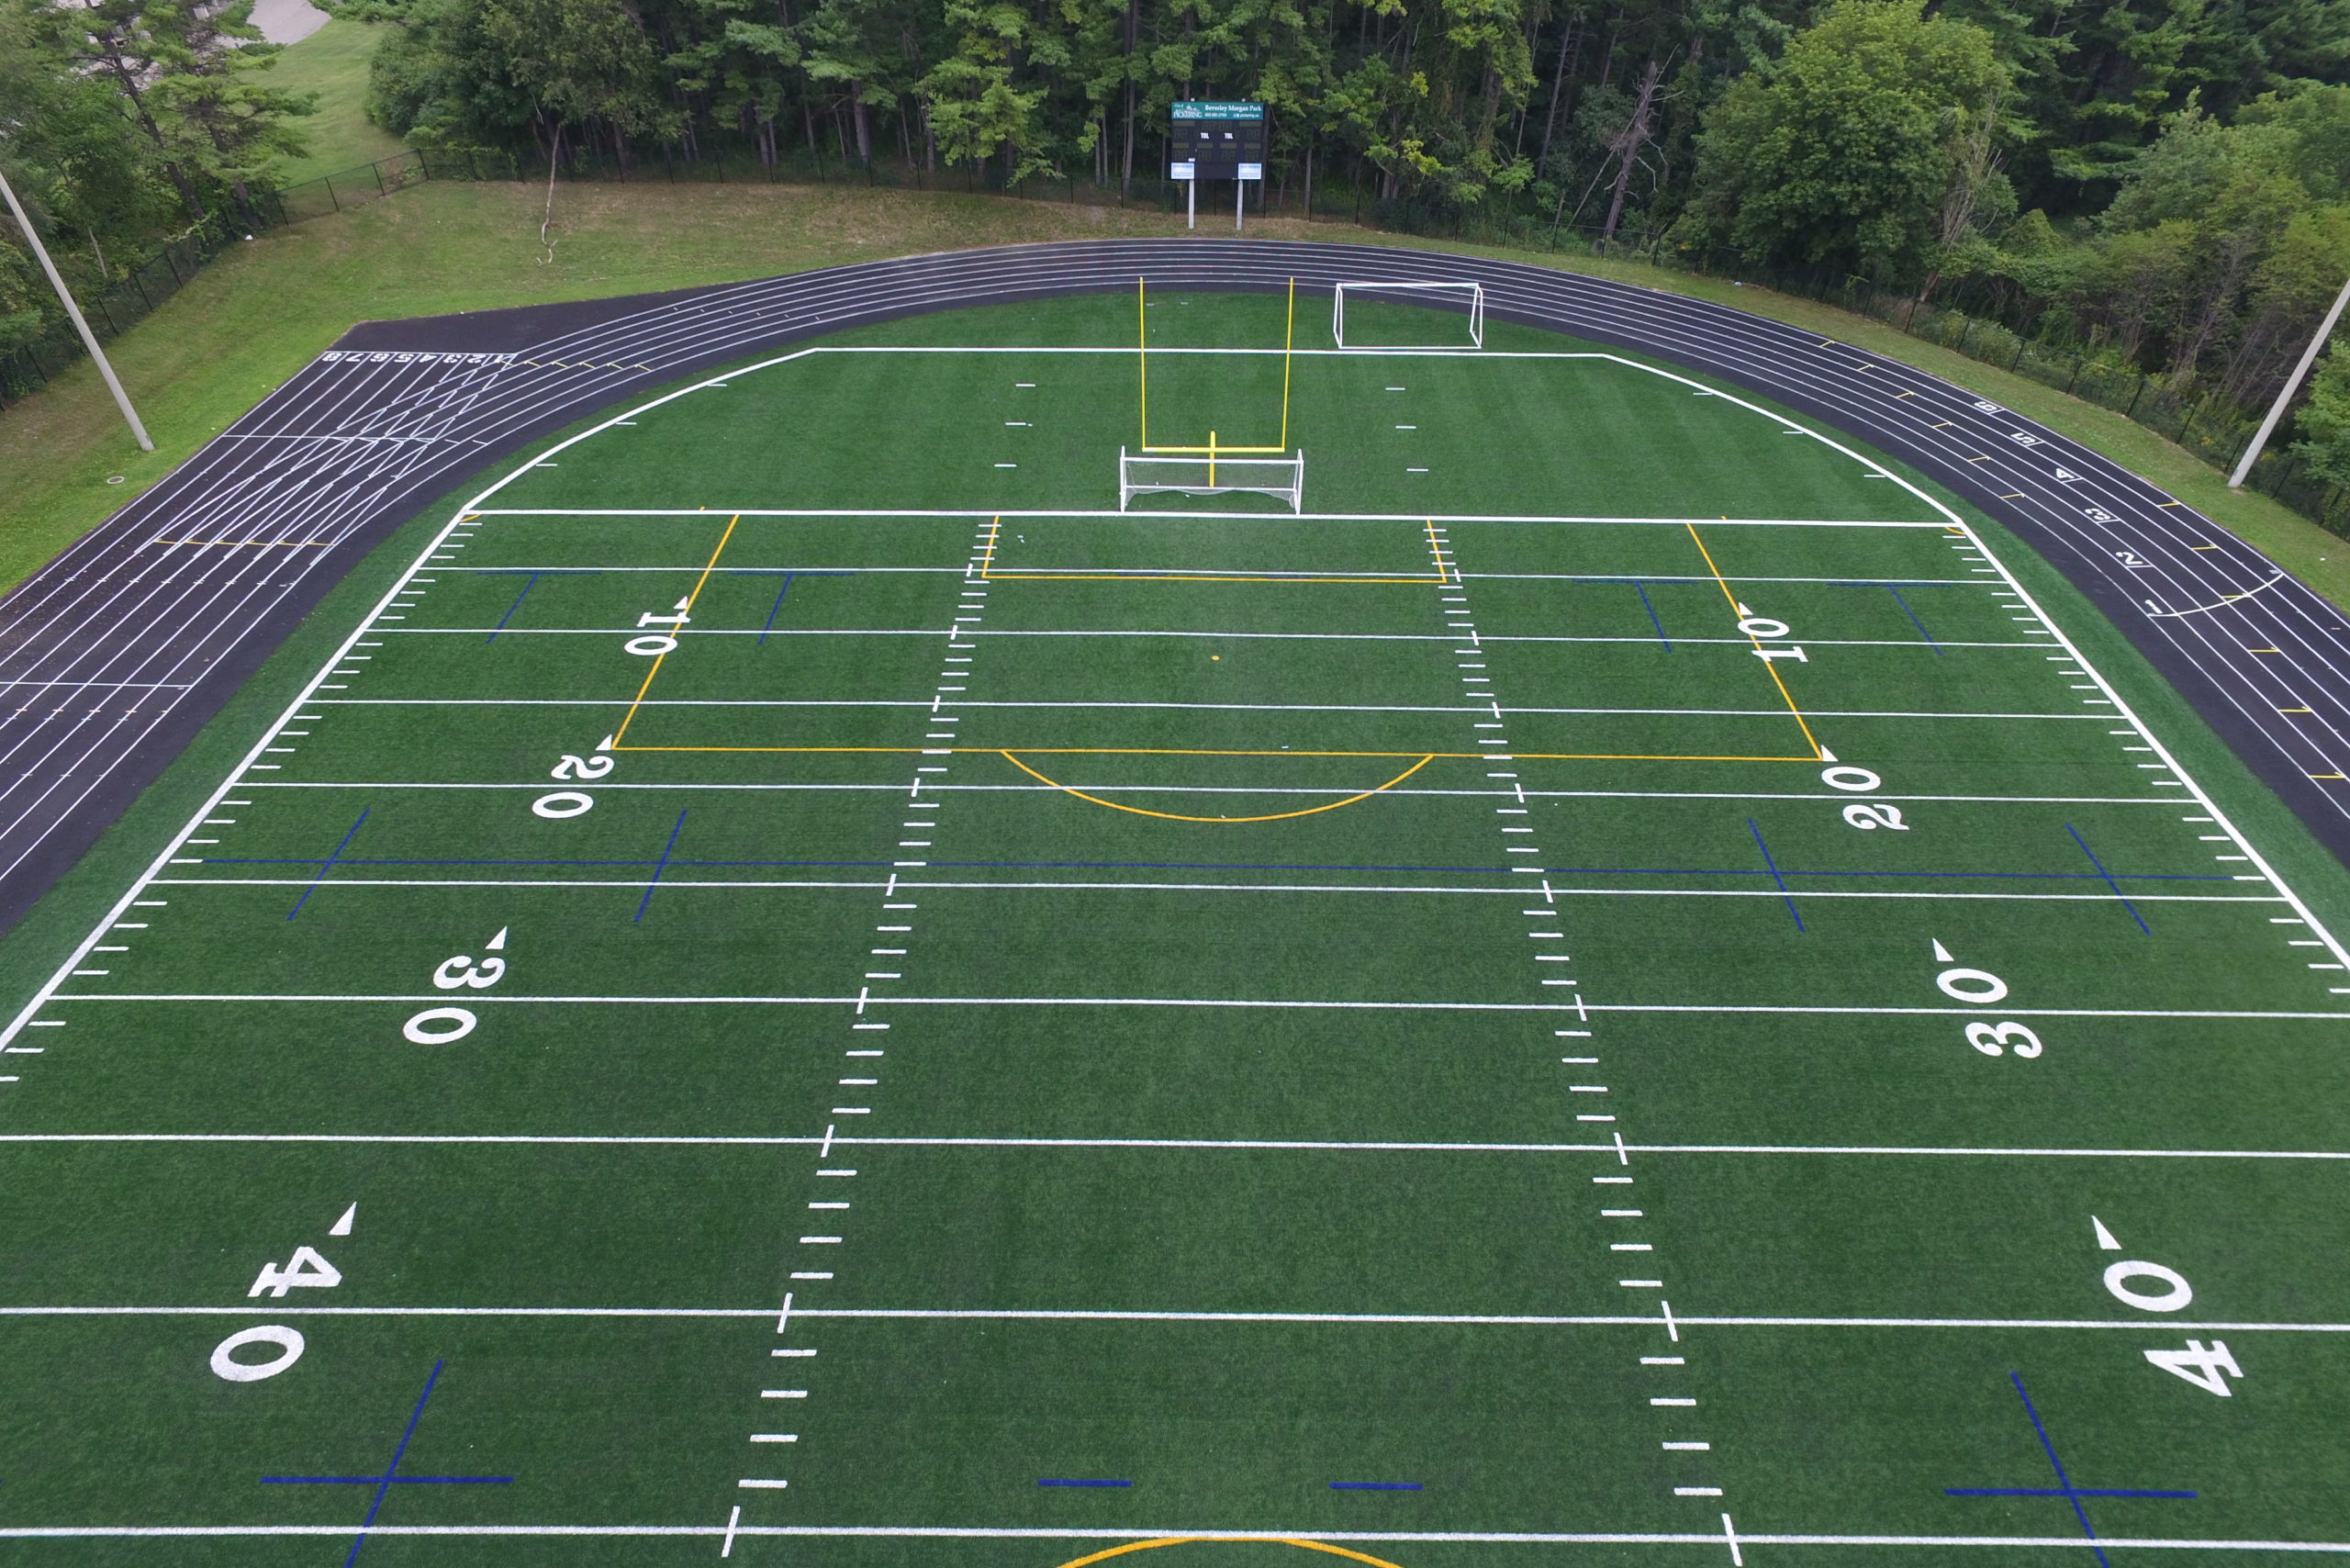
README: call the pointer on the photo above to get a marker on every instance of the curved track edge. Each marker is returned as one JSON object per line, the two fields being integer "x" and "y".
{"x": 122, "y": 648}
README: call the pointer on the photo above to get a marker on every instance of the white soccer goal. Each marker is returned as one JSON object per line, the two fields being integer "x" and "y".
{"x": 1141, "y": 474}
{"x": 1438, "y": 293}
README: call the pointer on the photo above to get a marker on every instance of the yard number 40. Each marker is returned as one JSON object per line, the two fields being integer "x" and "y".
{"x": 304, "y": 1268}
{"x": 2208, "y": 1366}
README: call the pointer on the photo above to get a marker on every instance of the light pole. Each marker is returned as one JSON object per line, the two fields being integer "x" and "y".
{"x": 89, "y": 339}
{"x": 2292, "y": 384}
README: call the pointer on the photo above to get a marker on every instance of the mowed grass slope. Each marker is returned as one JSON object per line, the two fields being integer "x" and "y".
{"x": 1099, "y": 1135}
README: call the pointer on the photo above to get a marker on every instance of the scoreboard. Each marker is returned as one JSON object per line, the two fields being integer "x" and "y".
{"x": 1216, "y": 142}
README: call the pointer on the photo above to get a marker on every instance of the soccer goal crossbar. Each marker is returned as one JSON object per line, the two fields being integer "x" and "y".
{"x": 1214, "y": 474}
{"x": 1473, "y": 294}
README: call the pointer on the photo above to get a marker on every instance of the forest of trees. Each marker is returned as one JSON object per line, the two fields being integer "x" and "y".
{"x": 2161, "y": 184}
{"x": 122, "y": 123}
{"x": 2164, "y": 183}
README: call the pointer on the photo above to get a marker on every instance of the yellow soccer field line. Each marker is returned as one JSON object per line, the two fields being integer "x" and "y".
{"x": 1180, "y": 817}
{"x": 1201, "y": 751}
{"x": 1446, "y": 574}
{"x": 1769, "y": 666}
{"x": 1142, "y": 362}
{"x": 1208, "y": 1539}
{"x": 637, "y": 701}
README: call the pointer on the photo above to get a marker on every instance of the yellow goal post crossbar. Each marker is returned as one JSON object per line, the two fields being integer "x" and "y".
{"x": 1142, "y": 359}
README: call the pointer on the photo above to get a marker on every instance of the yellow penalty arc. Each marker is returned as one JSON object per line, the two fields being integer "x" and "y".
{"x": 1180, "y": 817}
{"x": 1209, "y": 1539}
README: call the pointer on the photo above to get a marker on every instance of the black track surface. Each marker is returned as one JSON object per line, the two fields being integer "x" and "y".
{"x": 119, "y": 650}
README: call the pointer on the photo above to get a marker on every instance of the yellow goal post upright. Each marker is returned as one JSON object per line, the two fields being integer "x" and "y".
{"x": 1219, "y": 467}
{"x": 1468, "y": 291}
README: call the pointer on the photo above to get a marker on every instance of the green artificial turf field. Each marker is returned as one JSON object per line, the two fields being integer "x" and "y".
{"x": 1629, "y": 985}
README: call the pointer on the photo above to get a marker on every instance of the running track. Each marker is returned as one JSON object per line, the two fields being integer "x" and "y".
{"x": 116, "y": 653}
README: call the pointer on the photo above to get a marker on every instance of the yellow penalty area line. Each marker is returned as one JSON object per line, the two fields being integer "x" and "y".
{"x": 1180, "y": 817}
{"x": 1202, "y": 751}
{"x": 1190, "y": 1539}
{"x": 1769, "y": 665}
{"x": 700, "y": 582}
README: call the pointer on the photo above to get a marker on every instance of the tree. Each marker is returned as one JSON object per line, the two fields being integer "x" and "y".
{"x": 2324, "y": 420}
{"x": 1845, "y": 152}
{"x": 186, "y": 70}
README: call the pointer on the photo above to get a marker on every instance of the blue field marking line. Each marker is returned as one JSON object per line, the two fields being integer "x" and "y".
{"x": 659, "y": 867}
{"x": 391, "y": 1477}
{"x": 789, "y": 574}
{"x": 327, "y": 864}
{"x": 1914, "y": 620}
{"x": 1752, "y": 827}
{"x": 2102, "y": 874}
{"x": 1642, "y": 589}
{"x": 2107, "y": 879}
{"x": 2063, "y": 1487}
{"x": 1893, "y": 587}
{"x": 532, "y": 575}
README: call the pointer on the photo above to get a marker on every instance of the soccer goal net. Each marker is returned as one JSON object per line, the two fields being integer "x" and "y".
{"x": 1211, "y": 474}
{"x": 1370, "y": 325}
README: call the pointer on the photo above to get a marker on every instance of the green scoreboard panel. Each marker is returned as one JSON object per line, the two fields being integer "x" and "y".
{"x": 1216, "y": 142}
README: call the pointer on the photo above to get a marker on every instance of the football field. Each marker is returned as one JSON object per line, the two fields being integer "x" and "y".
{"x": 1622, "y": 983}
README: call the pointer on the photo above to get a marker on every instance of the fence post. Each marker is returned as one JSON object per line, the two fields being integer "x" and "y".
{"x": 2192, "y": 415}
{"x": 2019, "y": 359}
{"x": 377, "y": 168}
{"x": 2071, "y": 380}
{"x": 2132, "y": 411}
{"x": 1966, "y": 334}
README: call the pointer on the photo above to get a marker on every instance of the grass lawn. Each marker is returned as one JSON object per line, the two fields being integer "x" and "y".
{"x": 332, "y": 62}
{"x": 835, "y": 986}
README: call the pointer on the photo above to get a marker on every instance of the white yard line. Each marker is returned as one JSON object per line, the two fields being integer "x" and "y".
{"x": 1277, "y": 1146}
{"x": 1334, "y": 1319}
{"x": 509, "y": 1000}
{"x": 1268, "y": 1532}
